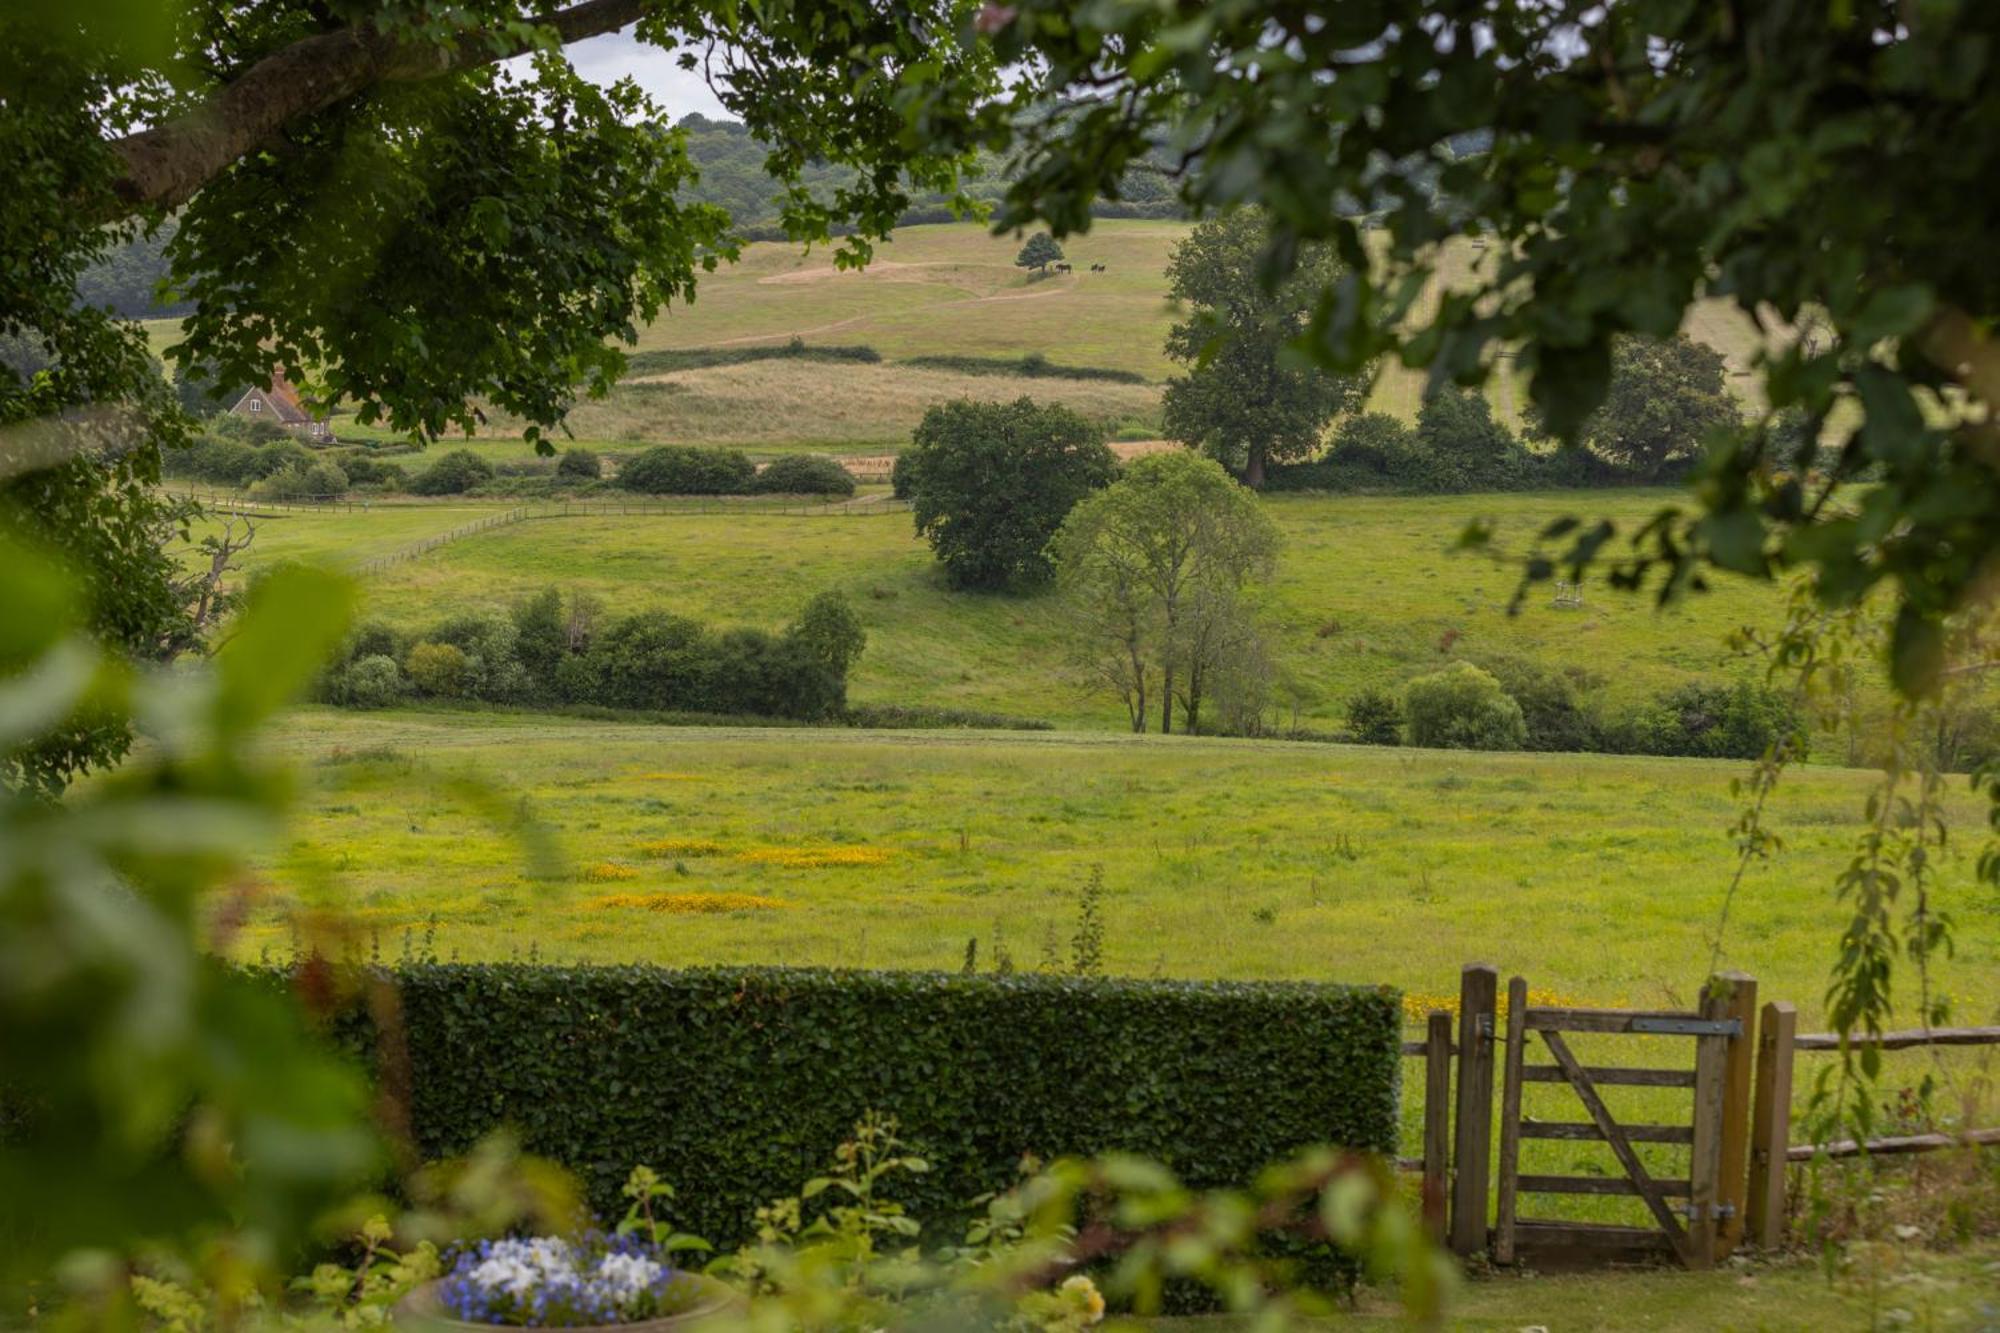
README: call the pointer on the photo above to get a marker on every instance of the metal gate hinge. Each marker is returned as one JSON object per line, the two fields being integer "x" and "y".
{"x": 1690, "y": 1027}
{"x": 1483, "y": 1025}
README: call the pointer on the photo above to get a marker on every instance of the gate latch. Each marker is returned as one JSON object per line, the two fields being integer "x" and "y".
{"x": 1690, "y": 1027}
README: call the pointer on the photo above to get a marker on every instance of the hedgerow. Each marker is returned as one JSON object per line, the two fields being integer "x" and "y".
{"x": 732, "y": 1081}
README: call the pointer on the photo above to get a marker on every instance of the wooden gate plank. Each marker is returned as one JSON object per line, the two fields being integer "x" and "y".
{"x": 1620, "y": 1146}
{"x": 1437, "y": 1124}
{"x": 1478, "y": 988}
{"x": 1671, "y": 1189}
{"x": 1711, "y": 1058}
{"x": 1561, "y": 1129}
{"x": 1510, "y": 1120}
{"x": 1637, "y": 1078}
{"x": 1733, "y": 1174}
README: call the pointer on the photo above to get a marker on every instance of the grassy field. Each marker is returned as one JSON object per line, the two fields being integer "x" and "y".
{"x": 1600, "y": 878}
{"x": 1367, "y": 593}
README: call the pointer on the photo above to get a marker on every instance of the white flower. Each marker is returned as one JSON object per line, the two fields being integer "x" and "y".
{"x": 625, "y": 1276}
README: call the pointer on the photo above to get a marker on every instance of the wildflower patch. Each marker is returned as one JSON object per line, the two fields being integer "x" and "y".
{"x": 814, "y": 858}
{"x": 606, "y": 872}
{"x": 687, "y": 904}
{"x": 681, "y": 848}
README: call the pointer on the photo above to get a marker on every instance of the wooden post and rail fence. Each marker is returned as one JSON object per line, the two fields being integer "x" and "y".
{"x": 1736, "y": 1132}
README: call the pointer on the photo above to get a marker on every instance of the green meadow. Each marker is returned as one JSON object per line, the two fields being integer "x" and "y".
{"x": 1599, "y": 878}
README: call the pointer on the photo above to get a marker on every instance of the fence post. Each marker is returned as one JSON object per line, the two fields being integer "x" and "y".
{"x": 1711, "y": 1054}
{"x": 1478, "y": 993}
{"x": 1771, "y": 1124}
{"x": 1732, "y": 1191}
{"x": 1437, "y": 1122}
{"x": 1510, "y": 1121}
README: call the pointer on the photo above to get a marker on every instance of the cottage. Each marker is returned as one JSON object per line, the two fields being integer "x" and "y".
{"x": 280, "y": 405}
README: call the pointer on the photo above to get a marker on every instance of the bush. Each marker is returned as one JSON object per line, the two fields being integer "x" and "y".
{"x": 365, "y": 471}
{"x": 582, "y": 463}
{"x": 1459, "y": 447}
{"x": 1738, "y": 721}
{"x": 1374, "y": 718}
{"x": 686, "y": 469}
{"x": 493, "y": 670}
{"x": 650, "y": 660}
{"x": 374, "y": 681}
{"x": 437, "y": 669}
{"x": 453, "y": 473}
{"x": 316, "y": 481}
{"x": 1462, "y": 708}
{"x": 989, "y": 484}
{"x": 733, "y": 1079}
{"x": 802, "y": 474}
{"x": 1552, "y": 704}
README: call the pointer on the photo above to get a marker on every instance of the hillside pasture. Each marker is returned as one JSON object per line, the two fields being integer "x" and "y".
{"x": 1368, "y": 593}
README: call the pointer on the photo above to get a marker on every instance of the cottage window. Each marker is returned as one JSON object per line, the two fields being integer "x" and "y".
{"x": 256, "y": 404}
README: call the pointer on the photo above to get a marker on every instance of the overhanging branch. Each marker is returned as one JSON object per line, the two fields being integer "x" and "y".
{"x": 164, "y": 166}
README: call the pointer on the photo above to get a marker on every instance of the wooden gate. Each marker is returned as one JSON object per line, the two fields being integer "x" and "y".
{"x": 1714, "y": 1134}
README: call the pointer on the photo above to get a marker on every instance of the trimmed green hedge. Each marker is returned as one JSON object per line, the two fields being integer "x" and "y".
{"x": 736, "y": 1083}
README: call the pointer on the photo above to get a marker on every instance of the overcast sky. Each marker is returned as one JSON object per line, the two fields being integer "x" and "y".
{"x": 618, "y": 54}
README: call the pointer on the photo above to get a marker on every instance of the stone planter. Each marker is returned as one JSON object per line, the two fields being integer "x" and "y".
{"x": 422, "y": 1310}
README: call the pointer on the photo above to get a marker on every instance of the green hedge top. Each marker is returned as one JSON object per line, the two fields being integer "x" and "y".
{"x": 736, "y": 1083}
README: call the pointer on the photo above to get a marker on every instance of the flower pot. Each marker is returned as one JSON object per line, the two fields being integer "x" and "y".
{"x": 422, "y": 1309}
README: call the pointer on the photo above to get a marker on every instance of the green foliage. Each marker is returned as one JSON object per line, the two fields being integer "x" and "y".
{"x": 374, "y": 681}
{"x": 1247, "y": 398}
{"x": 804, "y": 474}
{"x": 1153, "y": 573}
{"x": 1462, "y": 708}
{"x": 154, "y": 1098}
{"x": 320, "y": 479}
{"x": 453, "y": 473}
{"x": 579, "y": 462}
{"x": 1374, "y": 717}
{"x": 1032, "y": 366}
{"x": 1591, "y": 162}
{"x": 1665, "y": 397}
{"x": 1460, "y": 447}
{"x": 989, "y": 483}
{"x": 1040, "y": 251}
{"x": 685, "y": 469}
{"x": 437, "y": 669}
{"x": 1555, "y": 705}
{"x": 736, "y": 1076}
{"x": 665, "y": 360}
{"x": 1737, "y": 721}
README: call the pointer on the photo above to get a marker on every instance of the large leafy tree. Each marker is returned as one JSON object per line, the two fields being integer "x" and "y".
{"x": 1248, "y": 397}
{"x": 367, "y": 198}
{"x": 989, "y": 483}
{"x": 1153, "y": 571}
{"x": 1665, "y": 398}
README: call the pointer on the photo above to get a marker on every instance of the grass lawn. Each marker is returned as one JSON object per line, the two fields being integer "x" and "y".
{"x": 1368, "y": 593}
{"x": 339, "y": 537}
{"x": 1908, "y": 1287}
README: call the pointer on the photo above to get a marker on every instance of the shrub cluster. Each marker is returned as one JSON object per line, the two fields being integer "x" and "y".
{"x": 453, "y": 473}
{"x": 1511, "y": 704}
{"x": 1456, "y": 446}
{"x": 562, "y": 651}
{"x": 732, "y": 1080}
{"x": 688, "y": 469}
{"x": 1032, "y": 366}
{"x": 661, "y": 361}
{"x": 803, "y": 474}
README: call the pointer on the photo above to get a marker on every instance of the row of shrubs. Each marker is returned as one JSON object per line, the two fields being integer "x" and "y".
{"x": 1522, "y": 706}
{"x": 665, "y": 360}
{"x": 1456, "y": 446}
{"x": 284, "y": 469}
{"x": 1032, "y": 366}
{"x": 552, "y": 649}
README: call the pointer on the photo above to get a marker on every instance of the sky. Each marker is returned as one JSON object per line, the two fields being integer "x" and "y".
{"x": 618, "y": 54}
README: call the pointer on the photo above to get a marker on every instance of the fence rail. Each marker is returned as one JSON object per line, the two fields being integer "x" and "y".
{"x": 1771, "y": 1149}
{"x": 415, "y": 549}
{"x": 863, "y": 507}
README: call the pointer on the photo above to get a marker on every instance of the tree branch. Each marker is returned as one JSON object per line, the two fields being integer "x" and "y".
{"x": 164, "y": 166}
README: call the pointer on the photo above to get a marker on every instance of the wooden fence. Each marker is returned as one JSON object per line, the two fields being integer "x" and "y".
{"x": 1737, "y": 1134}
{"x": 415, "y": 549}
